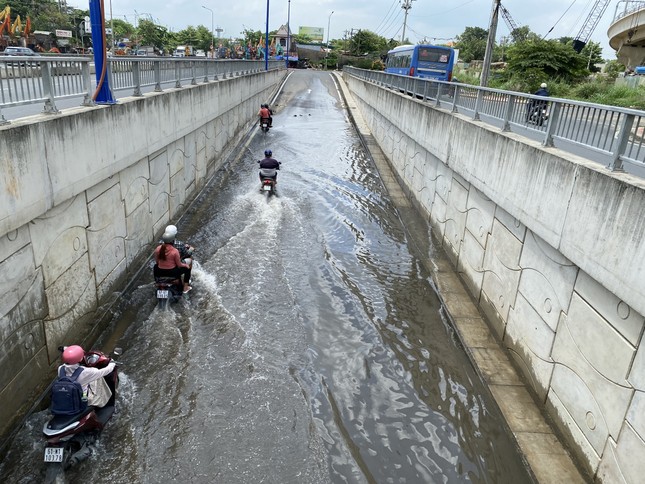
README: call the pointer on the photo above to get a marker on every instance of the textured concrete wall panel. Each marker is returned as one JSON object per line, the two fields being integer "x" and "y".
{"x": 618, "y": 313}
{"x": 59, "y": 237}
{"x": 471, "y": 264}
{"x": 133, "y": 182}
{"x": 159, "y": 188}
{"x": 106, "y": 232}
{"x": 568, "y": 388}
{"x": 531, "y": 339}
{"x": 481, "y": 212}
{"x": 456, "y": 213}
{"x": 596, "y": 404}
{"x": 547, "y": 279}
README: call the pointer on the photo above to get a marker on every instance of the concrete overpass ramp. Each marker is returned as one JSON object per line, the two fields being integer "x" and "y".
{"x": 627, "y": 32}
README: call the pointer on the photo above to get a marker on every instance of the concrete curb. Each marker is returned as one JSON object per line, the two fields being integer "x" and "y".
{"x": 545, "y": 455}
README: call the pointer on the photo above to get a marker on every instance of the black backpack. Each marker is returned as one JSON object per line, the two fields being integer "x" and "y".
{"x": 67, "y": 394}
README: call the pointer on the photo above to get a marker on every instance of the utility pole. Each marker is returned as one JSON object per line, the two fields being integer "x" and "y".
{"x": 492, "y": 32}
{"x": 406, "y": 5}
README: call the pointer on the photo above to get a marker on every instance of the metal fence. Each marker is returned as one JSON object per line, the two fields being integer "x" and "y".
{"x": 611, "y": 135}
{"x": 47, "y": 79}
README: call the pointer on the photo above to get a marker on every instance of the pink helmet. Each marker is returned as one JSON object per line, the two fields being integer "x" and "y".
{"x": 73, "y": 354}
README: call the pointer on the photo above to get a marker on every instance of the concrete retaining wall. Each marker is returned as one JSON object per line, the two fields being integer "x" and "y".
{"x": 551, "y": 247}
{"x": 83, "y": 196}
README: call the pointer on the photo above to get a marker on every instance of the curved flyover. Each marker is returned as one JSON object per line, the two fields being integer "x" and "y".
{"x": 627, "y": 33}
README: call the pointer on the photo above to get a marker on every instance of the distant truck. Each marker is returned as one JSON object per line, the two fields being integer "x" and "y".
{"x": 145, "y": 50}
{"x": 184, "y": 51}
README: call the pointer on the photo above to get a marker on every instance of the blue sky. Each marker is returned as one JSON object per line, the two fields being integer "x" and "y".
{"x": 436, "y": 21}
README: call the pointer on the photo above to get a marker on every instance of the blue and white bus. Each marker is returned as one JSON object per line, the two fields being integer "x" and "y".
{"x": 426, "y": 61}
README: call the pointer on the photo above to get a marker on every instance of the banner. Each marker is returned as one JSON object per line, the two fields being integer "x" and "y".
{"x": 316, "y": 34}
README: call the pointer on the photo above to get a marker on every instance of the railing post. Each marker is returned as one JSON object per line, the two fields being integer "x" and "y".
{"x": 215, "y": 78}
{"x": 455, "y": 99}
{"x": 551, "y": 123}
{"x": 87, "y": 82}
{"x": 425, "y": 91}
{"x": 509, "y": 113}
{"x": 624, "y": 130}
{"x": 48, "y": 88}
{"x": 136, "y": 78}
{"x": 178, "y": 73}
{"x": 3, "y": 120}
{"x": 478, "y": 104}
{"x": 158, "y": 76}
{"x": 438, "y": 101}
{"x": 193, "y": 71}
{"x": 206, "y": 64}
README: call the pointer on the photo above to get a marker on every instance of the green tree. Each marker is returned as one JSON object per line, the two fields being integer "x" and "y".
{"x": 535, "y": 61}
{"x": 472, "y": 44}
{"x": 365, "y": 41}
{"x": 149, "y": 33}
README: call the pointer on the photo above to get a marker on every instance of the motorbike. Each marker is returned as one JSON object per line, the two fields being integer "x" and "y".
{"x": 70, "y": 439}
{"x": 170, "y": 290}
{"x": 268, "y": 181}
{"x": 264, "y": 124}
{"x": 537, "y": 114}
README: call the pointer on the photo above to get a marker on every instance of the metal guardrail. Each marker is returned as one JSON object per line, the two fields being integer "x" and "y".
{"x": 618, "y": 134}
{"x": 631, "y": 6}
{"x": 46, "y": 79}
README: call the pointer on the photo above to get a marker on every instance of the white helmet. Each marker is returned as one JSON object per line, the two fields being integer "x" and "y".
{"x": 171, "y": 229}
{"x": 543, "y": 85}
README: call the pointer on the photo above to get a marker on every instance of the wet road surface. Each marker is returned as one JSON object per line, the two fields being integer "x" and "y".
{"x": 312, "y": 348}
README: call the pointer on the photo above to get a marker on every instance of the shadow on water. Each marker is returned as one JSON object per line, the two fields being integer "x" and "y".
{"x": 312, "y": 348}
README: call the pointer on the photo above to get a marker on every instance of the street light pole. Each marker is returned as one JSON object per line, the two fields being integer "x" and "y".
{"x": 288, "y": 32}
{"x": 327, "y": 51}
{"x": 212, "y": 32}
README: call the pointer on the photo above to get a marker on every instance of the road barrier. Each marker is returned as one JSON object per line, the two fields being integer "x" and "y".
{"x": 599, "y": 132}
{"x": 46, "y": 79}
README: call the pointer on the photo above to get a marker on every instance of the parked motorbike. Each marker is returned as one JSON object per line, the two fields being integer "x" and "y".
{"x": 264, "y": 124}
{"x": 70, "y": 439}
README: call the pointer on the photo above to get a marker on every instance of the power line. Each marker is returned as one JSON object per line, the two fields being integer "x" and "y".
{"x": 389, "y": 12}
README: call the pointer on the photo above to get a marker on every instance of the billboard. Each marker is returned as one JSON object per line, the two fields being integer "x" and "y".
{"x": 316, "y": 34}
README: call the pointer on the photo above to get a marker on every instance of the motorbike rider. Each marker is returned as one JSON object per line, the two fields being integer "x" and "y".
{"x": 537, "y": 104}
{"x": 185, "y": 250}
{"x": 269, "y": 166}
{"x": 91, "y": 379}
{"x": 168, "y": 261}
{"x": 264, "y": 113}
{"x": 270, "y": 114}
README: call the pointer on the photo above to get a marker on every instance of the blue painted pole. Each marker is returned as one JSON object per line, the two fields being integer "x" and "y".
{"x": 288, "y": 32}
{"x": 266, "y": 42}
{"x": 103, "y": 94}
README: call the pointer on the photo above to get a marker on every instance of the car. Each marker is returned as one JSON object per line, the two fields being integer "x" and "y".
{"x": 18, "y": 51}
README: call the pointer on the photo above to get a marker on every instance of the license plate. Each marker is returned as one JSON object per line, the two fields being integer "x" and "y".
{"x": 162, "y": 293}
{"x": 53, "y": 454}
{"x": 267, "y": 188}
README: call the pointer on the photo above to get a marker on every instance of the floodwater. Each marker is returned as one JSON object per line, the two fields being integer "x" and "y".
{"x": 312, "y": 348}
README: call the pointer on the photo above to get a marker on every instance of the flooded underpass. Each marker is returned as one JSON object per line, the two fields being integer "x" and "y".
{"x": 312, "y": 349}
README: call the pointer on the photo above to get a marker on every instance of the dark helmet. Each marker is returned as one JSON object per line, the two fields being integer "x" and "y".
{"x": 268, "y": 153}
{"x": 265, "y": 106}
{"x": 168, "y": 237}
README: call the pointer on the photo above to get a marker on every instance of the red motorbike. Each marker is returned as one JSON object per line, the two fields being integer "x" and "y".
{"x": 70, "y": 438}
